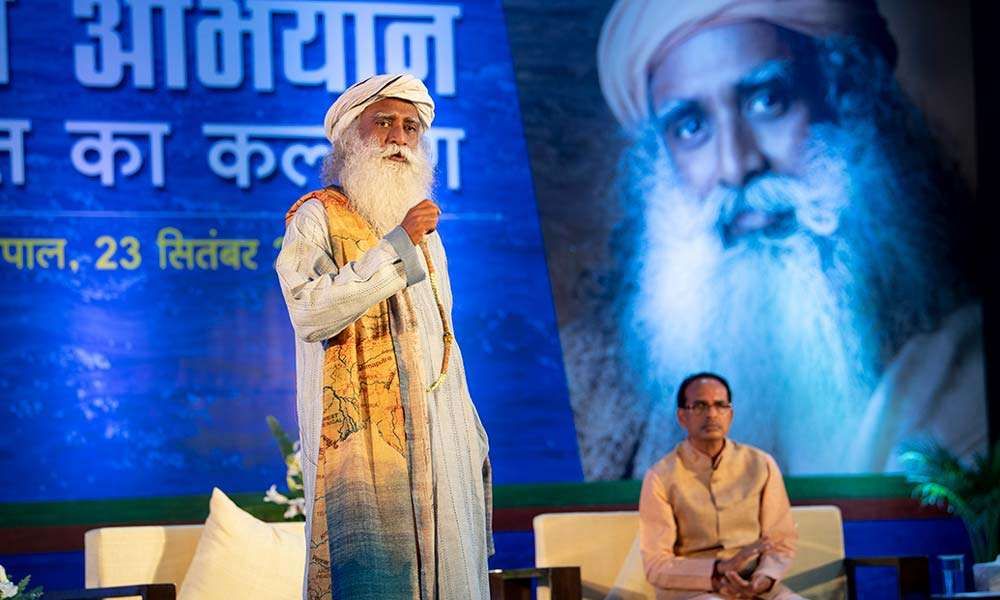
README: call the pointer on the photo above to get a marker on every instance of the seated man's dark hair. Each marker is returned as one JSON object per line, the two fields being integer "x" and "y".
{"x": 682, "y": 401}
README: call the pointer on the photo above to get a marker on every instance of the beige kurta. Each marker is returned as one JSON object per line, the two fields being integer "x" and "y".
{"x": 694, "y": 510}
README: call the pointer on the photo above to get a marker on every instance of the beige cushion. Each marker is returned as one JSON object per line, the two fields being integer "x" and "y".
{"x": 597, "y": 542}
{"x": 631, "y": 582}
{"x": 605, "y": 547}
{"x": 818, "y": 570}
{"x": 240, "y": 556}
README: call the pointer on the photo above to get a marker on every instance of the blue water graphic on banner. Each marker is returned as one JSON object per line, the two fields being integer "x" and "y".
{"x": 148, "y": 152}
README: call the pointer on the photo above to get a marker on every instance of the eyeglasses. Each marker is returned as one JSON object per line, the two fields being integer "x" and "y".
{"x": 701, "y": 408}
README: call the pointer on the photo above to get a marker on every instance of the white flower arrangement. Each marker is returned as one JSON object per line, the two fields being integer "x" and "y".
{"x": 11, "y": 591}
{"x": 294, "y": 498}
{"x": 296, "y": 506}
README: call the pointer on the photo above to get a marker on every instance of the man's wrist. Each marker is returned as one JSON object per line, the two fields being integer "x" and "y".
{"x": 407, "y": 252}
{"x": 716, "y": 578}
{"x": 770, "y": 583}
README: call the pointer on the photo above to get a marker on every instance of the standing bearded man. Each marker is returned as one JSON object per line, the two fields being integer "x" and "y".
{"x": 397, "y": 478}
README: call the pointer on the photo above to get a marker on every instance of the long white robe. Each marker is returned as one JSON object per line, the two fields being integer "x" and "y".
{"x": 322, "y": 301}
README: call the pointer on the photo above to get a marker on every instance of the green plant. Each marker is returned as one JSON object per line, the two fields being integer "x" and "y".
{"x": 11, "y": 591}
{"x": 294, "y": 498}
{"x": 970, "y": 490}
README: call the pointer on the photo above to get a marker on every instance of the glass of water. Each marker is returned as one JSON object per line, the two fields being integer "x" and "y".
{"x": 953, "y": 573}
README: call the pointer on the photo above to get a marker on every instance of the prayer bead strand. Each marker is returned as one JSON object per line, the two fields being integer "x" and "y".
{"x": 448, "y": 337}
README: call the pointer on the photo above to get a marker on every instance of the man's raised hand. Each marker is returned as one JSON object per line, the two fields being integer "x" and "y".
{"x": 421, "y": 220}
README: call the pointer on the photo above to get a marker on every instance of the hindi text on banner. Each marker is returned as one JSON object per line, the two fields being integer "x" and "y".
{"x": 224, "y": 27}
{"x": 13, "y": 144}
{"x": 105, "y": 139}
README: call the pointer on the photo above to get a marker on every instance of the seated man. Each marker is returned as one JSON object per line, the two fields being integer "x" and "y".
{"x": 714, "y": 517}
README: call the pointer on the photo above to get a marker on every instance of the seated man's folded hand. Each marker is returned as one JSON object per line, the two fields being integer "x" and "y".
{"x": 732, "y": 585}
{"x": 761, "y": 583}
{"x": 730, "y": 590}
{"x": 745, "y": 556}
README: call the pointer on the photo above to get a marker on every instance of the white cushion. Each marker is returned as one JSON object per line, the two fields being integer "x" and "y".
{"x": 240, "y": 556}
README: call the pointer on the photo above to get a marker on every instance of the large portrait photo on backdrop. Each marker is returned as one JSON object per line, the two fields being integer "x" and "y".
{"x": 776, "y": 190}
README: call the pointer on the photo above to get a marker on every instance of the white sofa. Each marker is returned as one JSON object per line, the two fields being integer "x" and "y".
{"x": 119, "y": 556}
{"x": 604, "y": 545}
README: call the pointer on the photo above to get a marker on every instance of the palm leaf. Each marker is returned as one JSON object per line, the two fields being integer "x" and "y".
{"x": 970, "y": 490}
{"x": 284, "y": 442}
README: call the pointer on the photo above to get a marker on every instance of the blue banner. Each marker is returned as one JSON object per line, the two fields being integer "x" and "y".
{"x": 148, "y": 152}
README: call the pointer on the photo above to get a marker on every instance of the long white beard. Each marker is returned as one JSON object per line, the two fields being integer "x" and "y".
{"x": 379, "y": 189}
{"x": 790, "y": 320}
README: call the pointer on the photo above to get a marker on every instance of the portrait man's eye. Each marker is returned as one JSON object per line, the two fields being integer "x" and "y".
{"x": 767, "y": 102}
{"x": 687, "y": 129}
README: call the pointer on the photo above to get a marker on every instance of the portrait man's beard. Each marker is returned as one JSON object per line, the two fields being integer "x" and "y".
{"x": 801, "y": 315}
{"x": 379, "y": 189}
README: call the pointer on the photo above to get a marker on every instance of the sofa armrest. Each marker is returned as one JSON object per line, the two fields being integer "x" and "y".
{"x": 913, "y": 574}
{"x": 150, "y": 591}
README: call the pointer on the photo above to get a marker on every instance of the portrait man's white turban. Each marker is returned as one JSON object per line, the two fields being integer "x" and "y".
{"x": 637, "y": 34}
{"x": 363, "y": 94}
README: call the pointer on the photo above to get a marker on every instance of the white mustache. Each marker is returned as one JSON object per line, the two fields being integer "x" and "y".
{"x": 815, "y": 207}
{"x": 770, "y": 193}
{"x": 393, "y": 149}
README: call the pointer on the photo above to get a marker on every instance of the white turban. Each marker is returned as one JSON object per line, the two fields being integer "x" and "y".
{"x": 363, "y": 94}
{"x": 638, "y": 33}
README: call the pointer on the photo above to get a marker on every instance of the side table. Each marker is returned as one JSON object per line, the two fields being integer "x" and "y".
{"x": 151, "y": 591}
{"x": 515, "y": 584}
